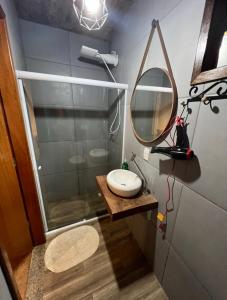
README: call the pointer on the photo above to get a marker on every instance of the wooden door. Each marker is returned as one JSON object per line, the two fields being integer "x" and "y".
{"x": 12, "y": 108}
{"x": 14, "y": 227}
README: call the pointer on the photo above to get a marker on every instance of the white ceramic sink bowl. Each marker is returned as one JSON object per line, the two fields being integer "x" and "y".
{"x": 124, "y": 183}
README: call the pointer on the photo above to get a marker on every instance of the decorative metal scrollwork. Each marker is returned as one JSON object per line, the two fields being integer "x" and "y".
{"x": 220, "y": 92}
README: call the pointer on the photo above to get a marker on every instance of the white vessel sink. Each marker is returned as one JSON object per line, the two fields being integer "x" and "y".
{"x": 124, "y": 183}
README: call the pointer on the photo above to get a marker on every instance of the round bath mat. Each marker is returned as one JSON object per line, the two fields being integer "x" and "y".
{"x": 71, "y": 248}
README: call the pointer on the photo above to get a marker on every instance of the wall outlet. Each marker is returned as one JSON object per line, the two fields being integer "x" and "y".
{"x": 146, "y": 153}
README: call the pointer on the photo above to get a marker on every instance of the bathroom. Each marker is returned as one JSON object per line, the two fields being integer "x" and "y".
{"x": 76, "y": 118}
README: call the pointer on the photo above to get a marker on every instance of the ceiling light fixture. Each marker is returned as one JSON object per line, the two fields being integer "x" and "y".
{"x": 92, "y": 6}
{"x": 92, "y": 14}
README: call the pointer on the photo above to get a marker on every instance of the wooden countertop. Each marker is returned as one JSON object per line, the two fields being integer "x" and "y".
{"x": 123, "y": 207}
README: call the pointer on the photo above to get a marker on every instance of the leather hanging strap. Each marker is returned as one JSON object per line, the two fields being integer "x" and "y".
{"x": 146, "y": 50}
{"x": 155, "y": 24}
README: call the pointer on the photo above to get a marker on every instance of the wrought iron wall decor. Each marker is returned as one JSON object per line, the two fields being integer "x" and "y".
{"x": 219, "y": 89}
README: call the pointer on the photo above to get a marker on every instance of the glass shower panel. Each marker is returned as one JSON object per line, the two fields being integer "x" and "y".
{"x": 116, "y": 97}
{"x": 70, "y": 129}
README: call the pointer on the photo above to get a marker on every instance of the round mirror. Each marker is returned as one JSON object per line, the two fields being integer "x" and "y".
{"x": 153, "y": 106}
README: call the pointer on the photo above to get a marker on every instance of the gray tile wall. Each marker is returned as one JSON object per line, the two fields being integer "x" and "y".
{"x": 191, "y": 261}
{"x": 116, "y": 140}
{"x": 12, "y": 22}
{"x": 71, "y": 119}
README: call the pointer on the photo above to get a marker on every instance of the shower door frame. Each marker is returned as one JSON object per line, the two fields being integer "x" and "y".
{"x": 61, "y": 79}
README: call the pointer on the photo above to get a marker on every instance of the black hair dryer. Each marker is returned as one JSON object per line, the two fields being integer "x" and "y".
{"x": 182, "y": 149}
{"x": 174, "y": 152}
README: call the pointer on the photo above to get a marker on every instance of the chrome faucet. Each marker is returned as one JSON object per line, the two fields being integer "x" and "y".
{"x": 145, "y": 189}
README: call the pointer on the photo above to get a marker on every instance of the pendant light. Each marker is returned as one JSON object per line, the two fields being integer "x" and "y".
{"x": 91, "y": 14}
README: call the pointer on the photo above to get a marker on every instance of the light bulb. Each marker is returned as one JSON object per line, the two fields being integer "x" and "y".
{"x": 92, "y": 6}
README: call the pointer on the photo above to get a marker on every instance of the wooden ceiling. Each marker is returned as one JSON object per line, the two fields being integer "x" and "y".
{"x": 60, "y": 14}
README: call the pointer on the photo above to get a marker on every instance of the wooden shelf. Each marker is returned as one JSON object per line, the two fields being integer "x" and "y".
{"x": 123, "y": 207}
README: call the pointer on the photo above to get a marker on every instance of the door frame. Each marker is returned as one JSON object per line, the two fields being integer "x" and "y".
{"x": 15, "y": 123}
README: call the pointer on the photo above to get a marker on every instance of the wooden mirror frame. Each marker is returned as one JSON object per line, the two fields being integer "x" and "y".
{"x": 172, "y": 116}
{"x": 200, "y": 73}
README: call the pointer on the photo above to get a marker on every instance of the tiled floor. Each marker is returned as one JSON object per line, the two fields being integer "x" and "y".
{"x": 118, "y": 270}
{"x": 65, "y": 212}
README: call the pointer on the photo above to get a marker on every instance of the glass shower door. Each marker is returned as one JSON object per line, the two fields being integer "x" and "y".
{"x": 69, "y": 124}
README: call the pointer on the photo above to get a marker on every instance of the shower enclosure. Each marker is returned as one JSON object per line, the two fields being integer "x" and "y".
{"x": 67, "y": 122}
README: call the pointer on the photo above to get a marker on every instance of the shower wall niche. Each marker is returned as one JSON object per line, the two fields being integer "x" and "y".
{"x": 72, "y": 144}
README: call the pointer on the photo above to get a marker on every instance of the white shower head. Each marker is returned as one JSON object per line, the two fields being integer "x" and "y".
{"x": 110, "y": 59}
{"x": 88, "y": 52}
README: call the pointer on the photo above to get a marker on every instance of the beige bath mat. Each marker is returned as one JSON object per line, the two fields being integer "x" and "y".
{"x": 71, "y": 248}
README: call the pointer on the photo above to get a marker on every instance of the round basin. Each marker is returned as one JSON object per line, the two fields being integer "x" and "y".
{"x": 124, "y": 183}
